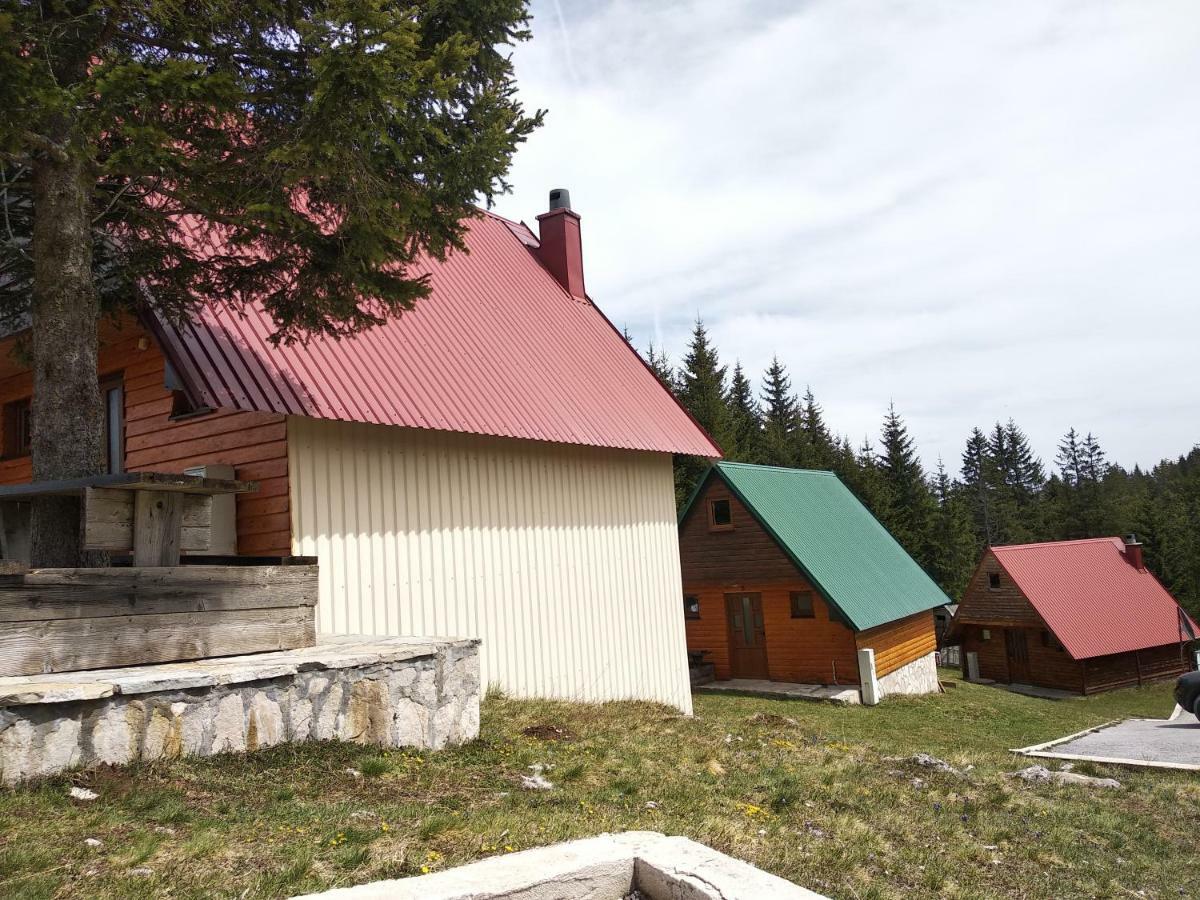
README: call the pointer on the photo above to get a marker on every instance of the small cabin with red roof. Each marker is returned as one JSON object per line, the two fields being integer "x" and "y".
{"x": 495, "y": 463}
{"x": 1081, "y": 616}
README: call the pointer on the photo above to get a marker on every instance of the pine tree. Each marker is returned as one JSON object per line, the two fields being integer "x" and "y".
{"x": 701, "y": 388}
{"x": 1069, "y": 459}
{"x": 953, "y": 553}
{"x": 660, "y": 364}
{"x": 778, "y": 417}
{"x": 866, "y": 480}
{"x": 744, "y": 418}
{"x": 323, "y": 147}
{"x": 976, "y": 466}
{"x": 814, "y": 444}
{"x": 910, "y": 507}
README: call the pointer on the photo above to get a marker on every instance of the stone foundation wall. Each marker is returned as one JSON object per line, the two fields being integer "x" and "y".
{"x": 918, "y": 677}
{"x": 392, "y": 693}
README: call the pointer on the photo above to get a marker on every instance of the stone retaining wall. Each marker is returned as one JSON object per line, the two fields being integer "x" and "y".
{"x": 389, "y": 692}
{"x": 918, "y": 677}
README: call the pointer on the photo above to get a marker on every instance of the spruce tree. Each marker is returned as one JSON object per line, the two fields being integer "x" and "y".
{"x": 743, "y": 418}
{"x": 701, "y": 388}
{"x": 976, "y": 466}
{"x": 323, "y": 147}
{"x": 909, "y": 510}
{"x": 778, "y": 416}
{"x": 952, "y": 552}
{"x": 814, "y": 444}
{"x": 660, "y": 364}
{"x": 868, "y": 483}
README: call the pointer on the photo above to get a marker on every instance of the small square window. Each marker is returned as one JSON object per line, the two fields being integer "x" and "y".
{"x": 1050, "y": 641}
{"x": 802, "y": 605}
{"x": 691, "y": 606}
{"x": 993, "y": 581}
{"x": 987, "y": 634}
{"x": 720, "y": 515}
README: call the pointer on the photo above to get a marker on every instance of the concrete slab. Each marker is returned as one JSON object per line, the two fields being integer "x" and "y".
{"x": 608, "y": 867}
{"x": 783, "y": 690}
{"x": 1172, "y": 743}
{"x": 1028, "y": 690}
{"x": 1035, "y": 690}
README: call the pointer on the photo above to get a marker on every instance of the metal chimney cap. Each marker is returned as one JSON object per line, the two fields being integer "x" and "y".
{"x": 1131, "y": 540}
{"x": 560, "y": 198}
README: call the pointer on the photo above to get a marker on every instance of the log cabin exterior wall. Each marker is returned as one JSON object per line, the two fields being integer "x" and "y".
{"x": 898, "y": 643}
{"x": 995, "y": 610}
{"x": 255, "y": 444}
{"x": 747, "y": 559}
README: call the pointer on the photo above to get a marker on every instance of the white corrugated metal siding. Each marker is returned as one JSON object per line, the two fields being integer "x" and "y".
{"x": 563, "y": 559}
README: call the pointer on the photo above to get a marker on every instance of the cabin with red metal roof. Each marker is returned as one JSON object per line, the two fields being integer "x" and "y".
{"x": 496, "y": 463}
{"x": 1081, "y": 616}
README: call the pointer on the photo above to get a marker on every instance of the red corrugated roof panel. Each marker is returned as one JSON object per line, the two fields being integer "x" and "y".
{"x": 498, "y": 348}
{"x": 1094, "y": 601}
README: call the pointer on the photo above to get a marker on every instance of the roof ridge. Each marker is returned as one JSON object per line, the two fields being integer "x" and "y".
{"x": 1030, "y": 546}
{"x": 745, "y": 465}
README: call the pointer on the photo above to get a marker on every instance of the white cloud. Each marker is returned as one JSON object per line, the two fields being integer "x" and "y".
{"x": 977, "y": 210}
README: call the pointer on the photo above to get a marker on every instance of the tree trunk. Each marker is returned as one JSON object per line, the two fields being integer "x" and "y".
{"x": 67, "y": 413}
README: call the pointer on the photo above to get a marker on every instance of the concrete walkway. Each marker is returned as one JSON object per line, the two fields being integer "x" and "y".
{"x": 1028, "y": 690}
{"x": 1172, "y": 743}
{"x": 783, "y": 690}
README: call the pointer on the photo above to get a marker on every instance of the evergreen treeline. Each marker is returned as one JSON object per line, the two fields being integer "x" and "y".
{"x": 1003, "y": 493}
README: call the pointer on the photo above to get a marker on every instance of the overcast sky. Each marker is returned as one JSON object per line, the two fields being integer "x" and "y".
{"x": 975, "y": 209}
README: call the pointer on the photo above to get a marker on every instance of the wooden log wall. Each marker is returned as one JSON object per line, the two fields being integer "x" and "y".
{"x": 898, "y": 643}
{"x": 255, "y": 444}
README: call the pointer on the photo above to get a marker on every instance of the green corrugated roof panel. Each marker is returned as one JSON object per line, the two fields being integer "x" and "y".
{"x": 834, "y": 539}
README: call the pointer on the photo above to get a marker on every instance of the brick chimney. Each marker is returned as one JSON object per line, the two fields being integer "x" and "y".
{"x": 561, "y": 250}
{"x": 1133, "y": 552}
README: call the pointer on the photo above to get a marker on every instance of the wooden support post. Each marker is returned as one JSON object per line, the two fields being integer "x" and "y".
{"x": 157, "y": 522}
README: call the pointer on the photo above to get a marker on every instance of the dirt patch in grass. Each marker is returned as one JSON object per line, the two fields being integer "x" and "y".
{"x": 545, "y": 732}
{"x": 803, "y": 790}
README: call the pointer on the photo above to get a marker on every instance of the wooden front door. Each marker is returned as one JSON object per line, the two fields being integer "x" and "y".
{"x": 747, "y": 636}
{"x": 1016, "y": 644}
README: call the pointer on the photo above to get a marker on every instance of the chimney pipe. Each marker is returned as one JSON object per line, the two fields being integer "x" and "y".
{"x": 1133, "y": 552}
{"x": 560, "y": 247}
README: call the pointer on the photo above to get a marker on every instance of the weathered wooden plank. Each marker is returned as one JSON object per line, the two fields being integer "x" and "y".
{"x": 128, "y": 481}
{"x": 83, "y": 593}
{"x": 66, "y": 645}
{"x": 109, "y": 517}
{"x": 157, "y": 520}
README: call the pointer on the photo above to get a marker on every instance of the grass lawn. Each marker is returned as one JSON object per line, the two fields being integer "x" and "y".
{"x": 803, "y": 790}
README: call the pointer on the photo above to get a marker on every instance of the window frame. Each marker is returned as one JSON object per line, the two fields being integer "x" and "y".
{"x": 993, "y": 581}
{"x": 687, "y": 611}
{"x": 795, "y": 596}
{"x": 17, "y": 417}
{"x": 1050, "y": 641}
{"x": 713, "y": 524}
{"x": 114, "y": 441}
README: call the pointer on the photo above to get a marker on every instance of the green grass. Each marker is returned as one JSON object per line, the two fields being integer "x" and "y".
{"x": 803, "y": 790}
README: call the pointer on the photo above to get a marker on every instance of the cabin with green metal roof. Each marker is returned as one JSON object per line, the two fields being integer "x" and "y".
{"x": 788, "y": 577}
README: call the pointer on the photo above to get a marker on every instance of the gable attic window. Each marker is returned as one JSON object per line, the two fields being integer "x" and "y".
{"x": 720, "y": 515}
{"x": 691, "y": 606}
{"x": 993, "y": 581}
{"x": 802, "y": 605}
{"x": 181, "y": 403}
{"x": 18, "y": 428}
